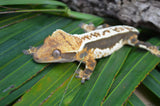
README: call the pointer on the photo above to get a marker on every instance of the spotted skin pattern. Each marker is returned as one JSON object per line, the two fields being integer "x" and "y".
{"x": 96, "y": 43}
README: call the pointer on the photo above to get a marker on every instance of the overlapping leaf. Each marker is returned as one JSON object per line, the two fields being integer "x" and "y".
{"x": 47, "y": 6}
{"x": 82, "y": 94}
{"x": 134, "y": 101}
{"x": 25, "y": 2}
{"x": 17, "y": 69}
{"x": 134, "y": 71}
{"x": 152, "y": 82}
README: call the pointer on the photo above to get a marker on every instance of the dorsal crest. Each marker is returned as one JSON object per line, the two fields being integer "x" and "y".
{"x": 63, "y": 41}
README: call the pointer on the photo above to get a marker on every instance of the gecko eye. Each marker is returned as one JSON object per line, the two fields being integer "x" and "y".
{"x": 56, "y": 53}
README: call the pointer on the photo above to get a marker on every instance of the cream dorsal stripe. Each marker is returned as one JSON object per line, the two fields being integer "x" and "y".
{"x": 104, "y": 33}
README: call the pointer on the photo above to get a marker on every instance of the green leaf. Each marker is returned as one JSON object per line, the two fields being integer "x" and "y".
{"x": 106, "y": 77}
{"x": 21, "y": 90}
{"x": 25, "y": 2}
{"x": 88, "y": 93}
{"x": 78, "y": 15}
{"x": 134, "y": 71}
{"x": 47, "y": 6}
{"x": 134, "y": 101}
{"x": 48, "y": 85}
{"x": 14, "y": 64}
{"x": 19, "y": 72}
{"x": 152, "y": 82}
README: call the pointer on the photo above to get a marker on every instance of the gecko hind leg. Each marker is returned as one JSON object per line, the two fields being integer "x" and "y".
{"x": 145, "y": 45}
{"x": 90, "y": 27}
{"x": 87, "y": 27}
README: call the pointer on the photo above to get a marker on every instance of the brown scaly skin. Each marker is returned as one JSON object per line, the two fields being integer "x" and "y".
{"x": 63, "y": 47}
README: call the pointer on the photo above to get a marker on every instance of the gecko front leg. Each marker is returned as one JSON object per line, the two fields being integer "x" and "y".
{"x": 90, "y": 63}
{"x": 89, "y": 68}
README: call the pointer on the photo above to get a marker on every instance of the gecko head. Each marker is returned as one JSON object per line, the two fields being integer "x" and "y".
{"x": 56, "y": 48}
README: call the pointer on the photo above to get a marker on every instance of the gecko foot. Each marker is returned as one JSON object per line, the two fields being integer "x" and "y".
{"x": 77, "y": 72}
{"x": 155, "y": 50}
{"x": 83, "y": 80}
{"x": 158, "y": 54}
{"x": 87, "y": 27}
{"x": 26, "y": 52}
{"x": 83, "y": 75}
{"x": 158, "y": 47}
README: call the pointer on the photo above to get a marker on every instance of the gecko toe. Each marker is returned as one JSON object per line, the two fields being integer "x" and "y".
{"x": 77, "y": 76}
{"x": 88, "y": 78}
{"x": 83, "y": 80}
{"x": 81, "y": 25}
{"x": 91, "y": 24}
{"x": 77, "y": 72}
{"x": 26, "y": 52}
{"x": 158, "y": 55}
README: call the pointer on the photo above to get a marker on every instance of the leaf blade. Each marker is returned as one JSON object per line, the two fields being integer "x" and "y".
{"x": 109, "y": 73}
{"x": 24, "y": 2}
{"x": 126, "y": 85}
{"x": 152, "y": 82}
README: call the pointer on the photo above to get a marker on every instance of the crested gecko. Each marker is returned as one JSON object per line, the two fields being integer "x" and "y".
{"x": 96, "y": 43}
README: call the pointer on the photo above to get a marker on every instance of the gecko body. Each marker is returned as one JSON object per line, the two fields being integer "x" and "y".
{"x": 94, "y": 44}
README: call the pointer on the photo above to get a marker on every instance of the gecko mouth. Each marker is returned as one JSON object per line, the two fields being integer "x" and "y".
{"x": 45, "y": 60}
{"x": 54, "y": 61}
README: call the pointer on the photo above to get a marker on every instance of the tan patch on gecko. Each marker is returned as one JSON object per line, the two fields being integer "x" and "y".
{"x": 59, "y": 41}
